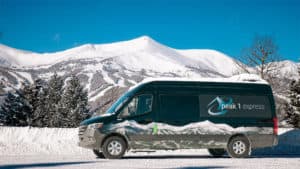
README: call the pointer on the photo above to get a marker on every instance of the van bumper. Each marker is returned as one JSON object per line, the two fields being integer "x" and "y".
{"x": 89, "y": 137}
{"x": 263, "y": 140}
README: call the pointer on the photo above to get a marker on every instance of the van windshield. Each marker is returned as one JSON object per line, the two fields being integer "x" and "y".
{"x": 114, "y": 107}
{"x": 123, "y": 99}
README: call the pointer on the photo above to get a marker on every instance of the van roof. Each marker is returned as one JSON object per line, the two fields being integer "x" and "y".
{"x": 242, "y": 78}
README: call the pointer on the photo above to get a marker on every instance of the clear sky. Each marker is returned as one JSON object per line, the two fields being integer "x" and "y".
{"x": 224, "y": 25}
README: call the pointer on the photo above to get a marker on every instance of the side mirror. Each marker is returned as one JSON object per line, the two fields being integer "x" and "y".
{"x": 120, "y": 117}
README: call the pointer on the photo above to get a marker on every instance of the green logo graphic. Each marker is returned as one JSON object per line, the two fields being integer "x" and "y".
{"x": 155, "y": 129}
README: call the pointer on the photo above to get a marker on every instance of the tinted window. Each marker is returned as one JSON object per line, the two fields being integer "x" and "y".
{"x": 234, "y": 106}
{"x": 138, "y": 105}
{"x": 179, "y": 108}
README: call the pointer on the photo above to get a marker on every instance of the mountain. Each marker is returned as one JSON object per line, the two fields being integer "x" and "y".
{"x": 101, "y": 67}
{"x": 121, "y": 63}
{"x": 136, "y": 54}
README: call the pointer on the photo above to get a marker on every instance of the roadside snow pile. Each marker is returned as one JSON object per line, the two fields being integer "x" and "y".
{"x": 30, "y": 141}
{"x": 289, "y": 144}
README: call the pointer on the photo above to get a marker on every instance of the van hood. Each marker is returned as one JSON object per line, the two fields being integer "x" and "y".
{"x": 98, "y": 119}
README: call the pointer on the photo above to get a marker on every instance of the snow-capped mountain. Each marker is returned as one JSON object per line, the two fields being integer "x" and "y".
{"x": 103, "y": 66}
{"x": 136, "y": 54}
{"x": 121, "y": 63}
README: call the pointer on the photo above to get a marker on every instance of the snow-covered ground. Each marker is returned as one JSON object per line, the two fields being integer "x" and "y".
{"x": 152, "y": 161}
{"x": 24, "y": 147}
{"x": 63, "y": 141}
{"x": 39, "y": 141}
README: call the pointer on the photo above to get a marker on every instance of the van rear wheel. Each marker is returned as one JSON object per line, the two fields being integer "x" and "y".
{"x": 114, "y": 147}
{"x": 239, "y": 147}
{"x": 216, "y": 152}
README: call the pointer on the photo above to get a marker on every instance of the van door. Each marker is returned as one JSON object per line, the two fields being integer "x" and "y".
{"x": 137, "y": 117}
{"x": 177, "y": 111}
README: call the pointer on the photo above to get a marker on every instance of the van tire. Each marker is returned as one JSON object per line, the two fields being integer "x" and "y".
{"x": 98, "y": 153}
{"x": 216, "y": 152}
{"x": 239, "y": 147}
{"x": 114, "y": 147}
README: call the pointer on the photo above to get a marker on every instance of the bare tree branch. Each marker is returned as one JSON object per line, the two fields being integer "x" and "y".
{"x": 262, "y": 56}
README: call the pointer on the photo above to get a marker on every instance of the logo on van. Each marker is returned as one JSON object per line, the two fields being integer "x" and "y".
{"x": 219, "y": 106}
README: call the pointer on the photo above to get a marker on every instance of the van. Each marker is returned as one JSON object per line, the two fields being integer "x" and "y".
{"x": 168, "y": 114}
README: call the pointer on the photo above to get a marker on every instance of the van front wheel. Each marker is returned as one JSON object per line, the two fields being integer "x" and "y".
{"x": 239, "y": 147}
{"x": 114, "y": 147}
{"x": 216, "y": 152}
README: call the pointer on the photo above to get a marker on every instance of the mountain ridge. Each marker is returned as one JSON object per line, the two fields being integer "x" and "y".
{"x": 103, "y": 67}
{"x": 20, "y": 57}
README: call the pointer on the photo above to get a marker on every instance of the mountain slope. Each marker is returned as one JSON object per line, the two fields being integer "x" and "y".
{"x": 212, "y": 60}
{"x": 117, "y": 64}
{"x": 140, "y": 53}
{"x": 102, "y": 67}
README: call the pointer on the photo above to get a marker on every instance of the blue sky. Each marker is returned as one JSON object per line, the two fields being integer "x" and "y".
{"x": 224, "y": 25}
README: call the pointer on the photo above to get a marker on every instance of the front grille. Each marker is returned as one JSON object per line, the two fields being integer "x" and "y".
{"x": 81, "y": 130}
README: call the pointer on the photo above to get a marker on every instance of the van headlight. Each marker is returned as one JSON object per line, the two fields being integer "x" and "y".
{"x": 95, "y": 126}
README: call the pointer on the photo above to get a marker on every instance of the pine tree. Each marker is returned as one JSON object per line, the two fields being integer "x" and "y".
{"x": 30, "y": 94}
{"x": 48, "y": 105}
{"x": 2, "y": 116}
{"x": 55, "y": 90}
{"x": 8, "y": 109}
{"x": 41, "y": 116}
{"x": 19, "y": 108}
{"x": 2, "y": 86}
{"x": 292, "y": 108}
{"x": 74, "y": 103}
{"x": 15, "y": 110}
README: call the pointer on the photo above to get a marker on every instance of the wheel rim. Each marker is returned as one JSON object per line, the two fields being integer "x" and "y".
{"x": 239, "y": 147}
{"x": 114, "y": 148}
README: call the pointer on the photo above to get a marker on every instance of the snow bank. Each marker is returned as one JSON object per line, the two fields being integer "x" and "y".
{"x": 30, "y": 141}
{"x": 289, "y": 144}
{"x": 61, "y": 141}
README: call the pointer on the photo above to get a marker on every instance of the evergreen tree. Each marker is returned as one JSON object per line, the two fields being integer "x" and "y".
{"x": 74, "y": 103}
{"x": 19, "y": 108}
{"x": 15, "y": 110}
{"x": 2, "y": 116}
{"x": 41, "y": 116}
{"x": 30, "y": 94}
{"x": 292, "y": 108}
{"x": 2, "y": 86}
{"x": 8, "y": 109}
{"x": 55, "y": 91}
{"x": 46, "y": 105}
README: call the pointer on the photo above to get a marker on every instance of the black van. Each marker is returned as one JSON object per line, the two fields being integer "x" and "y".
{"x": 232, "y": 117}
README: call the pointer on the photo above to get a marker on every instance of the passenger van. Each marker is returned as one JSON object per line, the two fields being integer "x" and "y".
{"x": 221, "y": 116}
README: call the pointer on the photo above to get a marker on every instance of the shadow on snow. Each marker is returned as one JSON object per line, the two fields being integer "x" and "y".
{"x": 288, "y": 146}
{"x": 38, "y": 165}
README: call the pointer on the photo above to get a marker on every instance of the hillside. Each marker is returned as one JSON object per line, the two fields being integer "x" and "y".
{"x": 116, "y": 64}
{"x": 102, "y": 67}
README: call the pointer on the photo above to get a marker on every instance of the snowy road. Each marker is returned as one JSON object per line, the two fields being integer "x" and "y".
{"x": 48, "y": 148}
{"x": 186, "y": 160}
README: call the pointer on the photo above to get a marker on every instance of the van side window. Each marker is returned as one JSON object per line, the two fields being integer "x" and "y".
{"x": 179, "y": 109}
{"x": 139, "y": 105}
